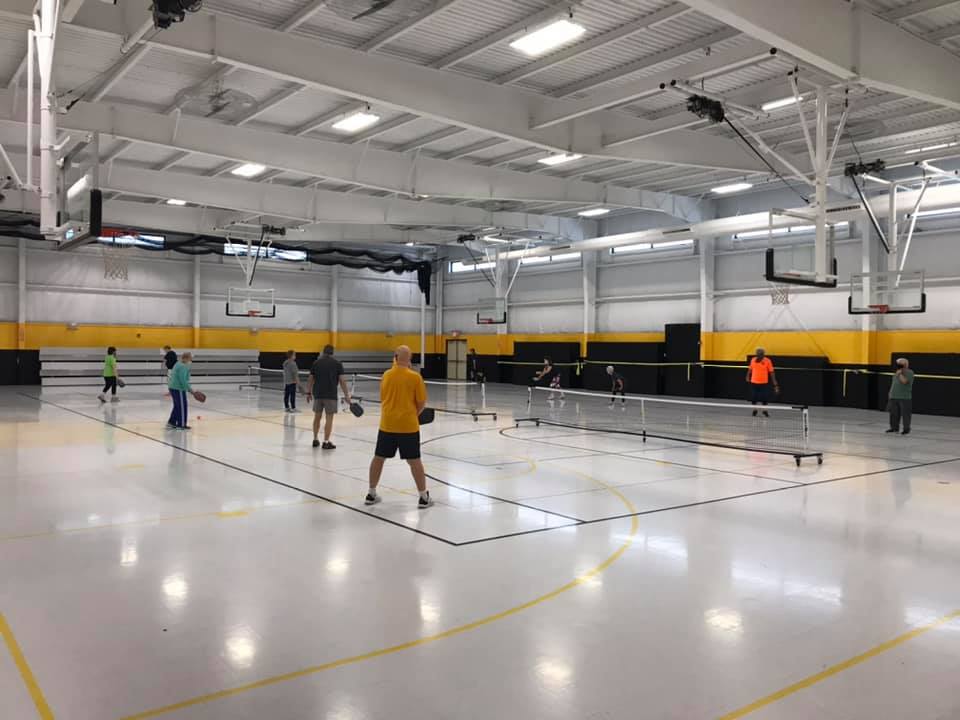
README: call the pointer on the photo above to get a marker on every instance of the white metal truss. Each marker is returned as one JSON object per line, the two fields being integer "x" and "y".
{"x": 441, "y": 95}
{"x": 846, "y": 40}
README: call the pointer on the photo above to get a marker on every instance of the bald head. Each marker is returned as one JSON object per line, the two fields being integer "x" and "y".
{"x": 403, "y": 355}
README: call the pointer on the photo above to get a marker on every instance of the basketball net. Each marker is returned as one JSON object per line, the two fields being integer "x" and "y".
{"x": 780, "y": 294}
{"x": 115, "y": 262}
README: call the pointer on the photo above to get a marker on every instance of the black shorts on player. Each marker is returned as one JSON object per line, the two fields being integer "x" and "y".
{"x": 407, "y": 443}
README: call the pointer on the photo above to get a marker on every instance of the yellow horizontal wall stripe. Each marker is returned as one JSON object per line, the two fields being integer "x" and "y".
{"x": 841, "y": 346}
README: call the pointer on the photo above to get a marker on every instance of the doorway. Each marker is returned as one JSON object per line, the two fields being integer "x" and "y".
{"x": 456, "y": 359}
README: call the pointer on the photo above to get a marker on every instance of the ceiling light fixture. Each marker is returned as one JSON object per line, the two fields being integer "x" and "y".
{"x": 175, "y": 201}
{"x": 496, "y": 239}
{"x": 355, "y": 122}
{"x": 248, "y": 170}
{"x": 595, "y": 212}
{"x": 548, "y": 37}
{"x": 552, "y": 160}
{"x": 732, "y": 188}
{"x": 930, "y": 148}
{"x": 777, "y": 104}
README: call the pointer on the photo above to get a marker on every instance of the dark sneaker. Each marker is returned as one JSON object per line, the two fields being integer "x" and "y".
{"x": 328, "y": 446}
{"x": 186, "y": 427}
{"x": 425, "y": 502}
{"x": 316, "y": 443}
{"x": 371, "y": 499}
{"x": 171, "y": 426}
{"x": 766, "y": 414}
{"x": 905, "y": 432}
{"x": 892, "y": 430}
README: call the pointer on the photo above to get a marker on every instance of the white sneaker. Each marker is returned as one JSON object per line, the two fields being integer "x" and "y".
{"x": 425, "y": 502}
{"x": 101, "y": 398}
{"x": 371, "y": 499}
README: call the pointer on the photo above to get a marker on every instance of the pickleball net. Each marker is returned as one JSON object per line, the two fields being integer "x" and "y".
{"x": 777, "y": 429}
{"x": 453, "y": 397}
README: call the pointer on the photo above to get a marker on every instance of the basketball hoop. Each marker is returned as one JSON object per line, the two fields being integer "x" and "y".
{"x": 879, "y": 309}
{"x": 115, "y": 262}
{"x": 253, "y": 313}
{"x": 780, "y": 294}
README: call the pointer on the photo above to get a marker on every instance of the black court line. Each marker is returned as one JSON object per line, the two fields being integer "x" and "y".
{"x": 245, "y": 471}
{"x": 442, "y": 457}
{"x": 687, "y": 506}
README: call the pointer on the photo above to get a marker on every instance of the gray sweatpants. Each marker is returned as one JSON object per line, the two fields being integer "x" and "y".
{"x": 900, "y": 410}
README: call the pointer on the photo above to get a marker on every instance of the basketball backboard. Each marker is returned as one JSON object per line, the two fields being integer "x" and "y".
{"x": 491, "y": 311}
{"x": 891, "y": 292}
{"x": 251, "y": 302}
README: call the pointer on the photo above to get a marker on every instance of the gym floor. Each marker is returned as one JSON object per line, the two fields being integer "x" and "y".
{"x": 234, "y": 572}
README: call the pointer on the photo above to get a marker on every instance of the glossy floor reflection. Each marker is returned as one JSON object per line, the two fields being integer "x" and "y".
{"x": 234, "y": 572}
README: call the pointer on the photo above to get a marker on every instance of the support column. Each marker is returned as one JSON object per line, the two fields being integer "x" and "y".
{"x": 707, "y": 313}
{"x": 869, "y": 261}
{"x": 501, "y": 277}
{"x": 334, "y": 304}
{"x": 438, "y": 302}
{"x": 589, "y": 261}
{"x": 21, "y": 294}
{"x": 196, "y": 301}
{"x": 893, "y": 231}
{"x": 423, "y": 332}
{"x": 46, "y": 40}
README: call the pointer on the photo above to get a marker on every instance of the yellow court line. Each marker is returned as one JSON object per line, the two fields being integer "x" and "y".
{"x": 452, "y": 632}
{"x": 839, "y": 667}
{"x": 153, "y": 521}
{"x": 39, "y": 701}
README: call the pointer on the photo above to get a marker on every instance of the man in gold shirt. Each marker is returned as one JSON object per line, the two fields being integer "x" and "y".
{"x": 403, "y": 395}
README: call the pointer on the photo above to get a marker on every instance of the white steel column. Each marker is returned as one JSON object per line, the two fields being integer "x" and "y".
{"x": 21, "y": 294}
{"x": 46, "y": 37}
{"x": 707, "y": 312}
{"x": 822, "y": 172}
{"x": 589, "y": 260}
{"x": 334, "y": 304}
{"x": 501, "y": 275}
{"x": 893, "y": 231}
{"x": 196, "y": 301}
{"x": 438, "y": 295}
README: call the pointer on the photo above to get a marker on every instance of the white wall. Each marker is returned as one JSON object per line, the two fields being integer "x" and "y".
{"x": 70, "y": 287}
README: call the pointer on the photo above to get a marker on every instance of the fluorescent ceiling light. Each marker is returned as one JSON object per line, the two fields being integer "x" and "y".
{"x": 291, "y": 255}
{"x": 248, "y": 170}
{"x": 496, "y": 239}
{"x": 732, "y": 188}
{"x": 789, "y": 230}
{"x": 548, "y": 37}
{"x": 940, "y": 211}
{"x": 484, "y": 266}
{"x": 637, "y": 247}
{"x": 594, "y": 212}
{"x": 565, "y": 257}
{"x": 930, "y": 148}
{"x": 777, "y": 104}
{"x": 175, "y": 201}
{"x": 78, "y": 187}
{"x": 673, "y": 244}
{"x": 356, "y": 122}
{"x": 559, "y": 159}
{"x": 409, "y": 244}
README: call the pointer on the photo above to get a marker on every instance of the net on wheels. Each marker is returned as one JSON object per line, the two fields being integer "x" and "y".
{"x": 777, "y": 429}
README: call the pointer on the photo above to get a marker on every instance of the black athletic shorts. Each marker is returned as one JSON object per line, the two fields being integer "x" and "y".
{"x": 407, "y": 443}
{"x": 759, "y": 393}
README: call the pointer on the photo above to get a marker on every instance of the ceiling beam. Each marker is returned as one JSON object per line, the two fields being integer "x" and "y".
{"x": 392, "y": 33}
{"x": 319, "y": 206}
{"x": 437, "y": 94}
{"x": 713, "y": 64}
{"x": 368, "y": 166}
{"x": 846, "y": 41}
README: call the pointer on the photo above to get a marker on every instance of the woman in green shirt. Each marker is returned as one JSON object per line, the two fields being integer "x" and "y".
{"x": 109, "y": 376}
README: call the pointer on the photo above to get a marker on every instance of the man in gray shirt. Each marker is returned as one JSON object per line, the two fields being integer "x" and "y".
{"x": 900, "y": 403}
{"x": 325, "y": 375}
{"x": 291, "y": 381}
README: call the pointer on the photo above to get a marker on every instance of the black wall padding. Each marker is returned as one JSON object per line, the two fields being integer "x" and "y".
{"x": 930, "y": 396}
{"x": 805, "y": 385}
{"x": 639, "y": 380}
{"x": 682, "y": 342}
{"x": 535, "y": 352}
{"x": 28, "y": 367}
{"x": 682, "y": 346}
{"x": 9, "y": 367}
